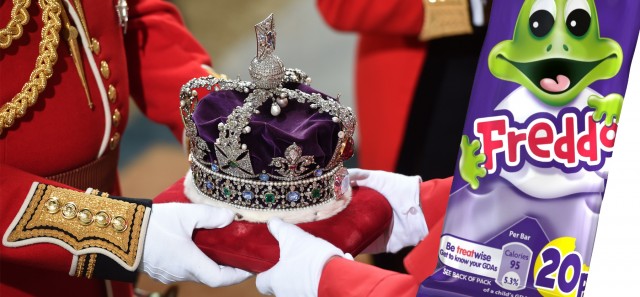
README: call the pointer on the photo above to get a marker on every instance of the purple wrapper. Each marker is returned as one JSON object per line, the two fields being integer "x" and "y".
{"x": 540, "y": 127}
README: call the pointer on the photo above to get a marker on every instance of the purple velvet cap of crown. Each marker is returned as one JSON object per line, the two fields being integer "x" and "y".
{"x": 314, "y": 132}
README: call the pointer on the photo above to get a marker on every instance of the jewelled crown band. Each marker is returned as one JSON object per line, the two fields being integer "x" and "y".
{"x": 295, "y": 186}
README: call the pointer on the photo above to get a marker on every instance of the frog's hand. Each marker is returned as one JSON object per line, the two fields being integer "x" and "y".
{"x": 469, "y": 166}
{"x": 609, "y": 107}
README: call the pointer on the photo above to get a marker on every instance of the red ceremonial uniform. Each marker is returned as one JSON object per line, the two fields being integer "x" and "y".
{"x": 60, "y": 133}
{"x": 342, "y": 277}
{"x": 389, "y": 61}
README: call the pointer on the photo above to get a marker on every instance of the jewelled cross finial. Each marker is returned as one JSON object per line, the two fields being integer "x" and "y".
{"x": 266, "y": 69}
{"x": 266, "y": 36}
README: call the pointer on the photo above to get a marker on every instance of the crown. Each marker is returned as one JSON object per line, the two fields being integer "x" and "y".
{"x": 270, "y": 147}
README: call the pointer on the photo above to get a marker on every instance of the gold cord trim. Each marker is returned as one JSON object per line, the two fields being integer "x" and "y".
{"x": 19, "y": 18}
{"x": 80, "y": 265}
{"x": 47, "y": 57}
{"x": 92, "y": 265}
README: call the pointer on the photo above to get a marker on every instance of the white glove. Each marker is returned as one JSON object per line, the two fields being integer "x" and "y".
{"x": 477, "y": 12}
{"x": 403, "y": 193}
{"x": 171, "y": 256}
{"x": 302, "y": 258}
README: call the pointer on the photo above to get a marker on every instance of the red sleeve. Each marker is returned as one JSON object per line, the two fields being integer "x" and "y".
{"x": 342, "y": 277}
{"x": 397, "y": 17}
{"x": 434, "y": 197}
{"x": 346, "y": 278}
{"x": 162, "y": 56}
{"x": 14, "y": 187}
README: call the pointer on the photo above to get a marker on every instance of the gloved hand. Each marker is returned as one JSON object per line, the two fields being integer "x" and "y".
{"x": 403, "y": 193}
{"x": 477, "y": 12}
{"x": 302, "y": 258}
{"x": 169, "y": 253}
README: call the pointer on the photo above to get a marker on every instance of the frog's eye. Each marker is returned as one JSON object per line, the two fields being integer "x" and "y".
{"x": 578, "y": 18}
{"x": 542, "y": 17}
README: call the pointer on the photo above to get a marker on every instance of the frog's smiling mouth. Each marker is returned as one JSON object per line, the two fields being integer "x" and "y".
{"x": 557, "y": 75}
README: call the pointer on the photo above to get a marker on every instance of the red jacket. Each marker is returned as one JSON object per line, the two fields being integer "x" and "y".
{"x": 389, "y": 61}
{"x": 342, "y": 277}
{"x": 60, "y": 132}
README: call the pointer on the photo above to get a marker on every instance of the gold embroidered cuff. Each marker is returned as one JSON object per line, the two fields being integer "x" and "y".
{"x": 82, "y": 223}
{"x": 443, "y": 18}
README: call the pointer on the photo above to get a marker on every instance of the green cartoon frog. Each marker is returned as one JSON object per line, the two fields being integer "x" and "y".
{"x": 556, "y": 53}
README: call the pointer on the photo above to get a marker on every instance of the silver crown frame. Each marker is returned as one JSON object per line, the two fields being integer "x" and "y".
{"x": 298, "y": 182}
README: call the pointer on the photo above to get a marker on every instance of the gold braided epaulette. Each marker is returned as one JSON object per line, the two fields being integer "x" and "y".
{"x": 47, "y": 57}
{"x": 19, "y": 18}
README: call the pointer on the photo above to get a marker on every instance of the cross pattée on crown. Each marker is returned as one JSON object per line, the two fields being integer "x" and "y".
{"x": 266, "y": 36}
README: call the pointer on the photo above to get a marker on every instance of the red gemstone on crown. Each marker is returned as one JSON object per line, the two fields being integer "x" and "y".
{"x": 347, "y": 152}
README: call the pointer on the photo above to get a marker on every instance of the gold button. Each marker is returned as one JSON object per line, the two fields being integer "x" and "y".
{"x": 112, "y": 93}
{"x": 69, "y": 211}
{"x": 95, "y": 46}
{"x": 104, "y": 69}
{"x": 102, "y": 219}
{"x": 85, "y": 217}
{"x": 113, "y": 144}
{"x": 52, "y": 205}
{"x": 116, "y": 117}
{"x": 119, "y": 224}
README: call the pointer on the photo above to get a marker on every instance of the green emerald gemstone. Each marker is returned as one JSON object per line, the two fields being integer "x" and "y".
{"x": 226, "y": 191}
{"x": 315, "y": 193}
{"x": 269, "y": 197}
{"x": 233, "y": 164}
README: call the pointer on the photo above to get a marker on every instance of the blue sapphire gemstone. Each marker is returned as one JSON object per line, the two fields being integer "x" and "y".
{"x": 209, "y": 185}
{"x": 247, "y": 195}
{"x": 263, "y": 177}
{"x": 293, "y": 196}
{"x": 317, "y": 172}
{"x": 215, "y": 167}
